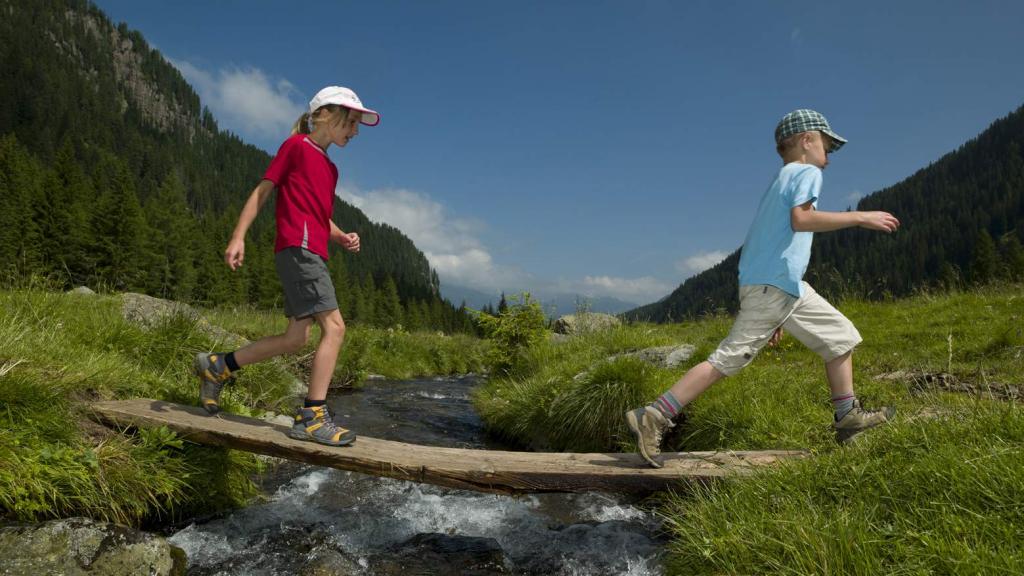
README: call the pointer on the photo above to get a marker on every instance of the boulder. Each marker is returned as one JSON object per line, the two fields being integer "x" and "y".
{"x": 80, "y": 546}
{"x": 585, "y": 322}
{"x": 662, "y": 356}
{"x": 148, "y": 312}
{"x": 434, "y": 553}
{"x": 83, "y": 291}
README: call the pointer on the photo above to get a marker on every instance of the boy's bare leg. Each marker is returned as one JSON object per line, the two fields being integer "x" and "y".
{"x": 293, "y": 339}
{"x": 840, "y": 375}
{"x": 695, "y": 382}
{"x": 332, "y": 334}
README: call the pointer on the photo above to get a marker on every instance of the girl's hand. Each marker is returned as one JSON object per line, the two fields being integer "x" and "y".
{"x": 350, "y": 242}
{"x": 235, "y": 253}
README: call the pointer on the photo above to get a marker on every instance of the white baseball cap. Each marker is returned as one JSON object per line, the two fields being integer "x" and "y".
{"x": 343, "y": 97}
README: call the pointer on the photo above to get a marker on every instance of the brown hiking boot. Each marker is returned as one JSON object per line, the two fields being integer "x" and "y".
{"x": 649, "y": 425}
{"x": 858, "y": 420}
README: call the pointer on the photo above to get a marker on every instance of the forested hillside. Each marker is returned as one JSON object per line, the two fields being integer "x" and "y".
{"x": 113, "y": 175}
{"x": 962, "y": 224}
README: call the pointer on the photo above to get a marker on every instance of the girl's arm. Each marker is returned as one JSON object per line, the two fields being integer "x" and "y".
{"x": 348, "y": 241}
{"x": 235, "y": 252}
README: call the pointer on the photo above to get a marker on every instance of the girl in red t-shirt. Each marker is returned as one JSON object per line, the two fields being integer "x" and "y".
{"x": 304, "y": 179}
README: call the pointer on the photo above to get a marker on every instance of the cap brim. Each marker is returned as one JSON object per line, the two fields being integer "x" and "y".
{"x": 837, "y": 141}
{"x": 370, "y": 118}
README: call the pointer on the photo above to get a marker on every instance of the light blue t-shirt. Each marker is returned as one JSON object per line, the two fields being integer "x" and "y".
{"x": 773, "y": 253}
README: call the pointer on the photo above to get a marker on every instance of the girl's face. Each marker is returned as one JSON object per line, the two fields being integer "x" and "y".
{"x": 343, "y": 126}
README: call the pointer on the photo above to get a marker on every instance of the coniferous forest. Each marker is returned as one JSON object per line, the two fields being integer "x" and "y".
{"x": 962, "y": 224}
{"x": 113, "y": 175}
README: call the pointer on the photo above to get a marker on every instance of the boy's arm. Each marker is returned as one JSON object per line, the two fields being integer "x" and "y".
{"x": 348, "y": 241}
{"x": 235, "y": 252}
{"x": 804, "y": 218}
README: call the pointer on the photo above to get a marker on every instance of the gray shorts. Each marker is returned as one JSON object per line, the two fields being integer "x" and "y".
{"x": 307, "y": 283}
{"x": 810, "y": 319}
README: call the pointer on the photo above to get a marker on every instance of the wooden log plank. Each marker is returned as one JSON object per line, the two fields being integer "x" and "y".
{"x": 480, "y": 470}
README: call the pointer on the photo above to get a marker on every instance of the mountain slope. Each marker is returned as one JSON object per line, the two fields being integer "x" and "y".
{"x": 91, "y": 117}
{"x": 962, "y": 222}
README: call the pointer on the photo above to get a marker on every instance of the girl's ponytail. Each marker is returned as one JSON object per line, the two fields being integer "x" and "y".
{"x": 301, "y": 125}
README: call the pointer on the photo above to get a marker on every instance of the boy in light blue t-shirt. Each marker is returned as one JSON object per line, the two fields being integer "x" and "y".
{"x": 773, "y": 295}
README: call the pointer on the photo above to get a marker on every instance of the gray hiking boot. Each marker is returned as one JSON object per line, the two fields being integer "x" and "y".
{"x": 858, "y": 420}
{"x": 213, "y": 374}
{"x": 649, "y": 425}
{"x": 315, "y": 423}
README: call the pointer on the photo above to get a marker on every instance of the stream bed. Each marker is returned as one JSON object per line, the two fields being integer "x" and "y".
{"x": 326, "y": 521}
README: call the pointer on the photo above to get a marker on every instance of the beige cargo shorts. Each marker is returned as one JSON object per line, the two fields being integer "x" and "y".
{"x": 810, "y": 319}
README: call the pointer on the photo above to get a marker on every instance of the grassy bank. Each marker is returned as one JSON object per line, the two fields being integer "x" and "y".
{"x": 59, "y": 351}
{"x": 941, "y": 490}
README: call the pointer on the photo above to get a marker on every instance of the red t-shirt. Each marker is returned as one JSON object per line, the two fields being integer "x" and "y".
{"x": 305, "y": 179}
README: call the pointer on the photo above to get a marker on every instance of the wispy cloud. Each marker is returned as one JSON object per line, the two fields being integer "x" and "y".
{"x": 246, "y": 101}
{"x": 796, "y": 37}
{"x": 853, "y": 197}
{"x": 643, "y": 289}
{"x": 451, "y": 244}
{"x": 700, "y": 262}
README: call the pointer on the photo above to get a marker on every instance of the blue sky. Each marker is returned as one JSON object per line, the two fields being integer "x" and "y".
{"x": 593, "y": 147}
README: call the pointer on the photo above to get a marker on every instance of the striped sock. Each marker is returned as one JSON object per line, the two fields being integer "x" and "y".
{"x": 668, "y": 405}
{"x": 842, "y": 405}
{"x": 229, "y": 359}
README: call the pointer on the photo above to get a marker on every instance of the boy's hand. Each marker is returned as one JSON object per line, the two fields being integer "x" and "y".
{"x": 881, "y": 221}
{"x": 235, "y": 253}
{"x": 776, "y": 336}
{"x": 349, "y": 241}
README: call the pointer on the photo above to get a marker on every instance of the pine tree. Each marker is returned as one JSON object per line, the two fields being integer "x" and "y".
{"x": 173, "y": 246}
{"x": 366, "y": 305}
{"x": 984, "y": 262}
{"x": 67, "y": 228}
{"x": 1013, "y": 256}
{"x": 119, "y": 228}
{"x": 390, "y": 309}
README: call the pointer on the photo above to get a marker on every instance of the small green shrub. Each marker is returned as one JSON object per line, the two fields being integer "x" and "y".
{"x": 512, "y": 333}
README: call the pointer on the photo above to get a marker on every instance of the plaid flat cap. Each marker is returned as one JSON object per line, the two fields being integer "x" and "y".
{"x": 805, "y": 120}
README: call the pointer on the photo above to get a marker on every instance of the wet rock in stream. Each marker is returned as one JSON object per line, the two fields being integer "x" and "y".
{"x": 429, "y": 554}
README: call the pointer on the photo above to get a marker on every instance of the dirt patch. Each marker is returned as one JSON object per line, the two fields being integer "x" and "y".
{"x": 920, "y": 381}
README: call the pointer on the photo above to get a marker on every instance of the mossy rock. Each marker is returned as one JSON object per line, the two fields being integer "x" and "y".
{"x": 82, "y": 546}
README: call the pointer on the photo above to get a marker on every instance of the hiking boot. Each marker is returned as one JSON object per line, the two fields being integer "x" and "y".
{"x": 213, "y": 374}
{"x": 858, "y": 420}
{"x": 315, "y": 423}
{"x": 648, "y": 425}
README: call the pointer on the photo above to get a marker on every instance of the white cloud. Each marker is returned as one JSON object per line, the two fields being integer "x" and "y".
{"x": 700, "y": 262}
{"x": 246, "y": 101}
{"x": 644, "y": 289}
{"x": 454, "y": 248}
{"x": 795, "y": 37}
{"x": 451, "y": 244}
{"x": 853, "y": 197}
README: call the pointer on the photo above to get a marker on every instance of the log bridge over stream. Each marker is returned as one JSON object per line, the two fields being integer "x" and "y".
{"x": 479, "y": 470}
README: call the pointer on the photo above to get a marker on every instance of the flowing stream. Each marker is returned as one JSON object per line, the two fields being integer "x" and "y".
{"x": 329, "y": 521}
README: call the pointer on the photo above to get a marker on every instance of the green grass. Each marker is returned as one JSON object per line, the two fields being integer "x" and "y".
{"x": 939, "y": 491}
{"x": 367, "y": 350}
{"x": 60, "y": 351}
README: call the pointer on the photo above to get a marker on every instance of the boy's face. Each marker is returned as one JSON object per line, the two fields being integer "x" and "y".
{"x": 816, "y": 146}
